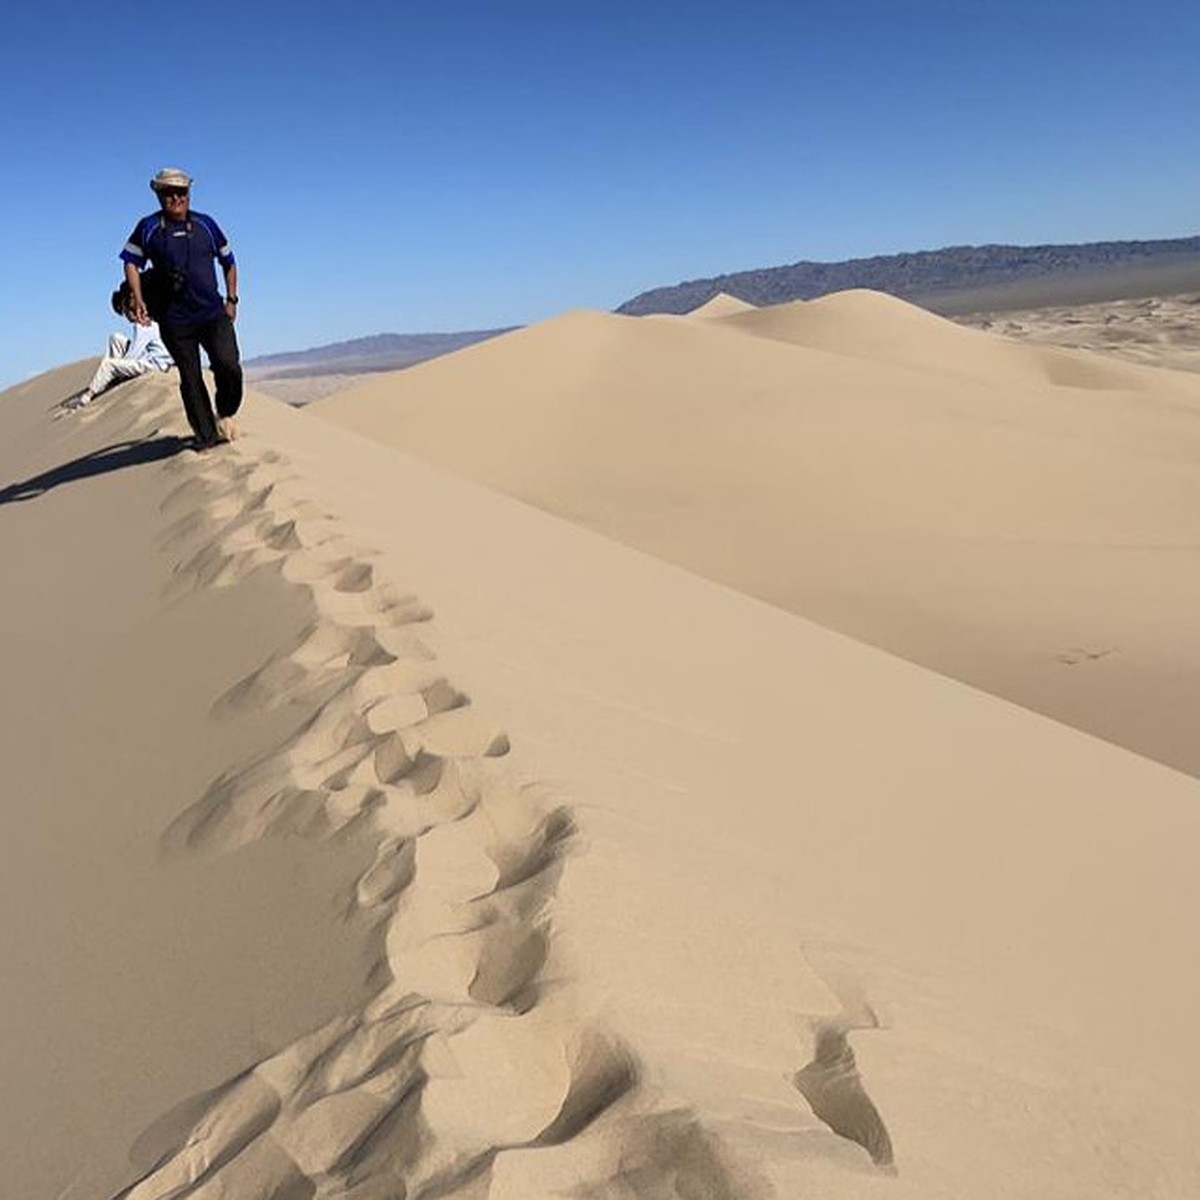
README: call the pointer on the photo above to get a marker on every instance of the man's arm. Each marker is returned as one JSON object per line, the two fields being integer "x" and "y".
{"x": 134, "y": 279}
{"x": 231, "y": 289}
{"x": 134, "y": 258}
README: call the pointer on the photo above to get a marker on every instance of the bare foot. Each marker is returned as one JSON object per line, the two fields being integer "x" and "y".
{"x": 227, "y": 429}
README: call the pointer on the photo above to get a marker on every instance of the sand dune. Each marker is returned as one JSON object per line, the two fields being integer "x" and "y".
{"x": 642, "y": 857}
{"x": 1019, "y": 517}
{"x": 881, "y": 328}
{"x": 721, "y": 305}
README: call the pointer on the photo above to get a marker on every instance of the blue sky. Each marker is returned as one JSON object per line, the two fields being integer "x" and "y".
{"x": 426, "y": 167}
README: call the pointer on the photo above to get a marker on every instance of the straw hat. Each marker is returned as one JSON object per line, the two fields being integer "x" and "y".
{"x": 171, "y": 177}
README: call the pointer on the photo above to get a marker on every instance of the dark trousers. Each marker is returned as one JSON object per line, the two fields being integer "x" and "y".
{"x": 220, "y": 344}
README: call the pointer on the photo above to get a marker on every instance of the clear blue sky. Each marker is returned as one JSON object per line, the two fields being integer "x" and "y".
{"x": 438, "y": 166}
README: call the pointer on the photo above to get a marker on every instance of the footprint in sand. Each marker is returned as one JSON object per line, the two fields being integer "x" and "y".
{"x": 834, "y": 1090}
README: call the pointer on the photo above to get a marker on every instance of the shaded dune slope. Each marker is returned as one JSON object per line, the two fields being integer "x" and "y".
{"x": 1003, "y": 513}
{"x": 131, "y": 981}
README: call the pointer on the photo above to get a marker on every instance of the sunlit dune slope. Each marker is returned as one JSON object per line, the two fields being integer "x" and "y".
{"x": 882, "y": 328}
{"x": 721, "y": 305}
{"x": 1023, "y": 518}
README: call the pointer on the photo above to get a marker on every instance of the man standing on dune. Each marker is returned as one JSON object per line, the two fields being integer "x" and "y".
{"x": 184, "y": 247}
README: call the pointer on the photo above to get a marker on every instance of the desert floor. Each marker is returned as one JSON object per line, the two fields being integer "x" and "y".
{"x": 1159, "y": 331}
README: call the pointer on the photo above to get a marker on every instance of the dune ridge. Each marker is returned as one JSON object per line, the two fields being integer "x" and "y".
{"x": 417, "y": 1091}
{"x": 878, "y": 327}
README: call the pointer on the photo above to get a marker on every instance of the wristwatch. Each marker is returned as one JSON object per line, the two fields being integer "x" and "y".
{"x": 231, "y": 299}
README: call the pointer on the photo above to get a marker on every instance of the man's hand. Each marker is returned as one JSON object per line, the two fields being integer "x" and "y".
{"x": 231, "y": 310}
{"x": 138, "y": 312}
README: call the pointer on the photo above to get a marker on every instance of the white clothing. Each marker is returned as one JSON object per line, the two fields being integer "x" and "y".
{"x": 148, "y": 347}
{"x": 128, "y": 359}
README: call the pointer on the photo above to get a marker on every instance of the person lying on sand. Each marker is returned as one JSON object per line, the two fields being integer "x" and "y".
{"x": 125, "y": 358}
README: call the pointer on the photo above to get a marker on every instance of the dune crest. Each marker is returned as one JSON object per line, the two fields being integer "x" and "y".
{"x": 721, "y": 305}
{"x": 471, "y": 1041}
{"x": 885, "y": 329}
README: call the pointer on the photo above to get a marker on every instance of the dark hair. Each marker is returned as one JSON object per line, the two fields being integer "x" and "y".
{"x": 121, "y": 299}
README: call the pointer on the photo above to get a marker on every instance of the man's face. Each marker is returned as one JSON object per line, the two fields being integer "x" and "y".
{"x": 174, "y": 201}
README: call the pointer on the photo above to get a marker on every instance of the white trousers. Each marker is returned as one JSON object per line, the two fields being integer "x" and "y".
{"x": 113, "y": 368}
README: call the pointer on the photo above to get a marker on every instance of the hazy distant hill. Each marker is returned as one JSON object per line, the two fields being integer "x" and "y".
{"x": 959, "y": 278}
{"x": 380, "y": 352}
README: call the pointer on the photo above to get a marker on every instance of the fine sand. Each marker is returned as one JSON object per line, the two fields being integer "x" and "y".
{"x": 374, "y": 834}
{"x": 1020, "y": 517}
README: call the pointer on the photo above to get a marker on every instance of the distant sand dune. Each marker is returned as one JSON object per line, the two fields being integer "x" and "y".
{"x": 881, "y": 328}
{"x": 974, "y": 504}
{"x": 721, "y": 305}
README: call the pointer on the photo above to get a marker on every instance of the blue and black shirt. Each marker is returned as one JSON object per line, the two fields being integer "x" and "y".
{"x": 188, "y": 248}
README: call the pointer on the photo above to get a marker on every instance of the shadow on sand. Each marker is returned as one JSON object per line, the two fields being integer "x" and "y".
{"x": 99, "y": 462}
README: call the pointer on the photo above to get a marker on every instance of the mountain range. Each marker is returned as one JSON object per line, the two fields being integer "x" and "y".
{"x": 958, "y": 279}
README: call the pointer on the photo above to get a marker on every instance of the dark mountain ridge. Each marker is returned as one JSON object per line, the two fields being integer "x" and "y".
{"x": 983, "y": 276}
